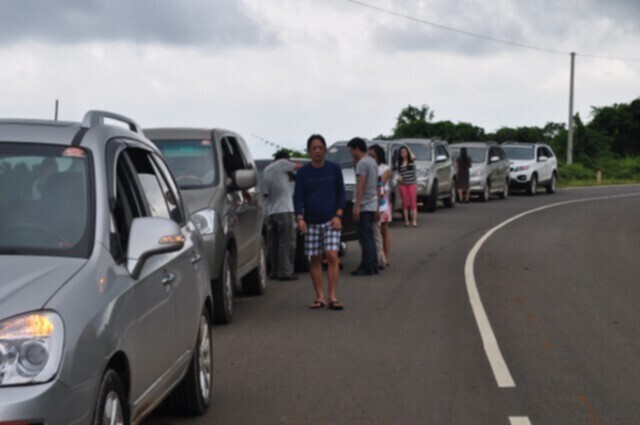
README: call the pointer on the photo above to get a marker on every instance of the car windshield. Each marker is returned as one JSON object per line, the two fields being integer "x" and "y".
{"x": 421, "y": 151}
{"x": 192, "y": 161}
{"x": 44, "y": 200}
{"x": 477, "y": 155}
{"x": 519, "y": 152}
{"x": 340, "y": 154}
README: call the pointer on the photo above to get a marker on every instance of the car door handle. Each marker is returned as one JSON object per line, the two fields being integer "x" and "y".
{"x": 168, "y": 278}
{"x": 196, "y": 258}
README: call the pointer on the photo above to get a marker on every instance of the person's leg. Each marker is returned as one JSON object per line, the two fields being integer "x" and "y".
{"x": 285, "y": 230}
{"x": 369, "y": 256}
{"x": 386, "y": 237}
{"x": 405, "y": 203}
{"x": 333, "y": 273}
{"x": 316, "y": 276}
{"x": 360, "y": 229}
{"x": 413, "y": 195}
{"x": 377, "y": 237}
{"x": 468, "y": 194}
{"x": 273, "y": 247}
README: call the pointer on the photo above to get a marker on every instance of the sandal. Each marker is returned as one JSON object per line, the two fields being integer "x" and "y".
{"x": 317, "y": 304}
{"x": 335, "y": 305}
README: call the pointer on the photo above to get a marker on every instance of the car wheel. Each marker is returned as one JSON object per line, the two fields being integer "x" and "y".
{"x": 450, "y": 202}
{"x": 505, "y": 190}
{"x": 551, "y": 187}
{"x": 255, "y": 283}
{"x": 533, "y": 186}
{"x": 430, "y": 203}
{"x": 193, "y": 395}
{"x": 486, "y": 193}
{"x": 111, "y": 405}
{"x": 224, "y": 291}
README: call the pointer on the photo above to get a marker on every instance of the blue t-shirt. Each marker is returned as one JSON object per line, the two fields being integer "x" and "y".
{"x": 319, "y": 192}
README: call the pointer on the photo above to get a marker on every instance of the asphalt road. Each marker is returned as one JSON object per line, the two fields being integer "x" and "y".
{"x": 560, "y": 288}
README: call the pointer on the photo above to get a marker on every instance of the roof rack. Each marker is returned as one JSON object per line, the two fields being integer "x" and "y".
{"x": 95, "y": 118}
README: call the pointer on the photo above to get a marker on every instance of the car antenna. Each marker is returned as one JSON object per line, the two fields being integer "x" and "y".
{"x": 55, "y": 114}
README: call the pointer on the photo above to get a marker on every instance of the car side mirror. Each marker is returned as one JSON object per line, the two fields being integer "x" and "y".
{"x": 151, "y": 236}
{"x": 494, "y": 159}
{"x": 243, "y": 179}
{"x": 441, "y": 158}
{"x": 543, "y": 159}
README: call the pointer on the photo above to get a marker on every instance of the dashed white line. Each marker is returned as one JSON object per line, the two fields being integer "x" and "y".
{"x": 494, "y": 355}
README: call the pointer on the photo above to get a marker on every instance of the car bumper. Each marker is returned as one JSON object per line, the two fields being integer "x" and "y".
{"x": 477, "y": 185}
{"x": 519, "y": 180}
{"x": 52, "y": 404}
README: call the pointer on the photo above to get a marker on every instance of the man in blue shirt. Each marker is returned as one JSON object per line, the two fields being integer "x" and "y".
{"x": 319, "y": 200}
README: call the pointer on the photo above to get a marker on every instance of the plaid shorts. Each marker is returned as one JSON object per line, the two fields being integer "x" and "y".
{"x": 321, "y": 238}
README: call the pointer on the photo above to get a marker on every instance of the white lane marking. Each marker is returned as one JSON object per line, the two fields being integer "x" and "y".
{"x": 491, "y": 348}
{"x": 519, "y": 420}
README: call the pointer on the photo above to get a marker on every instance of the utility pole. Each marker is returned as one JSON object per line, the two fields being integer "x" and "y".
{"x": 55, "y": 114}
{"x": 570, "y": 135}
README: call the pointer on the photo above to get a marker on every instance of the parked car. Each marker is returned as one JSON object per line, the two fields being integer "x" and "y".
{"x": 105, "y": 304}
{"x": 532, "y": 165}
{"x": 218, "y": 177}
{"x": 489, "y": 172}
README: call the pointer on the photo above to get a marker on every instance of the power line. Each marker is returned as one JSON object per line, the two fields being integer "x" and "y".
{"x": 481, "y": 36}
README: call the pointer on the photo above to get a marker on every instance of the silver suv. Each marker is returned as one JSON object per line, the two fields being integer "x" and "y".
{"x": 218, "y": 178}
{"x": 532, "y": 165}
{"x": 434, "y": 167}
{"x": 489, "y": 172}
{"x": 104, "y": 300}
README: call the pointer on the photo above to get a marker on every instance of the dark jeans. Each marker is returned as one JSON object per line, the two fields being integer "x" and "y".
{"x": 367, "y": 242}
{"x": 282, "y": 238}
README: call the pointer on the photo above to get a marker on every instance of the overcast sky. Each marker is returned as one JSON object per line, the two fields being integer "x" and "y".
{"x": 283, "y": 69}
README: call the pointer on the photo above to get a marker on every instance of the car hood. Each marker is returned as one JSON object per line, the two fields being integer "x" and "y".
{"x": 28, "y": 282}
{"x": 198, "y": 199}
{"x": 520, "y": 162}
{"x": 349, "y": 176}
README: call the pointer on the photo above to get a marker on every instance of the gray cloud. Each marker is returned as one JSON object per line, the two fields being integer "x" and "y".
{"x": 215, "y": 24}
{"x": 591, "y": 26}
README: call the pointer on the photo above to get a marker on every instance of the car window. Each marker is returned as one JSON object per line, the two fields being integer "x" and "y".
{"x": 547, "y": 152}
{"x": 441, "y": 150}
{"x": 128, "y": 206}
{"x": 46, "y": 203}
{"x": 519, "y": 153}
{"x": 192, "y": 161}
{"x": 232, "y": 156}
{"x": 340, "y": 155}
{"x": 157, "y": 203}
{"x": 421, "y": 151}
{"x": 176, "y": 205}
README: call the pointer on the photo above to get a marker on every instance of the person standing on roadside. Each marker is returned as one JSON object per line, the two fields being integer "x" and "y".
{"x": 319, "y": 200}
{"x": 381, "y": 232}
{"x": 365, "y": 205}
{"x": 407, "y": 184}
{"x": 464, "y": 164}
{"x": 281, "y": 220}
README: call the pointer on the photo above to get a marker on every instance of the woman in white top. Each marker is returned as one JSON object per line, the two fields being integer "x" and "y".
{"x": 381, "y": 232}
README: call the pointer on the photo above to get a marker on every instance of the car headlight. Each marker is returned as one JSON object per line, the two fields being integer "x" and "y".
{"x": 205, "y": 221}
{"x": 30, "y": 348}
{"x": 422, "y": 173}
{"x": 478, "y": 172}
{"x": 521, "y": 168}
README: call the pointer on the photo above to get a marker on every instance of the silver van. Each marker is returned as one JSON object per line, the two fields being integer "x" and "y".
{"x": 218, "y": 178}
{"x": 105, "y": 302}
{"x": 489, "y": 172}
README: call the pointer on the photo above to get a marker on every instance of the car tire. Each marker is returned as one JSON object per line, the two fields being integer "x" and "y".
{"x": 486, "y": 193}
{"x": 532, "y": 189}
{"x": 430, "y": 203}
{"x": 450, "y": 202}
{"x": 505, "y": 190}
{"x": 192, "y": 397}
{"x": 551, "y": 187}
{"x": 255, "y": 283}
{"x": 224, "y": 291}
{"x": 111, "y": 404}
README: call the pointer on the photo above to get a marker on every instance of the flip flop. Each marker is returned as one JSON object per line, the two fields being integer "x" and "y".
{"x": 335, "y": 305}
{"x": 317, "y": 304}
